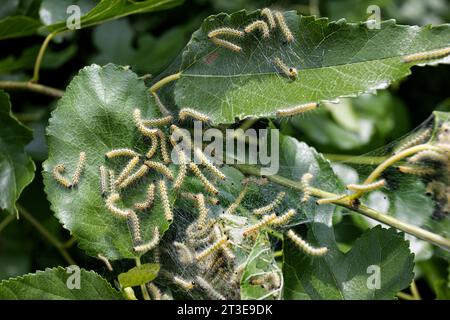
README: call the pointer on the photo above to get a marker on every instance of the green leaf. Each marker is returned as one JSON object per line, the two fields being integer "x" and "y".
{"x": 51, "y": 284}
{"x": 333, "y": 59}
{"x": 18, "y": 26}
{"x": 259, "y": 264}
{"x": 95, "y": 115}
{"x": 139, "y": 275}
{"x": 110, "y": 10}
{"x": 348, "y": 276}
{"x": 16, "y": 167}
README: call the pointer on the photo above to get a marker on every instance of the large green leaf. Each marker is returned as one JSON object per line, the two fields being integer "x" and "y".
{"x": 138, "y": 275}
{"x": 16, "y": 167}
{"x": 51, "y": 284}
{"x": 95, "y": 116}
{"x": 334, "y": 59}
{"x": 18, "y": 26}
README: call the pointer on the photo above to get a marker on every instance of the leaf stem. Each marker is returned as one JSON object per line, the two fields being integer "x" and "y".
{"x": 40, "y": 56}
{"x": 5, "y": 222}
{"x": 405, "y": 296}
{"x": 415, "y": 291}
{"x": 161, "y": 83}
{"x": 369, "y": 160}
{"x": 143, "y": 286}
{"x": 361, "y": 208}
{"x": 34, "y": 87}
{"x": 46, "y": 234}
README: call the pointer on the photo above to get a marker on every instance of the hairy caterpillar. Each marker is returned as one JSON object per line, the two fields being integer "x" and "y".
{"x": 182, "y": 168}
{"x": 185, "y": 284}
{"x": 79, "y": 169}
{"x": 225, "y": 250}
{"x": 208, "y": 185}
{"x": 135, "y": 226}
{"x": 212, "y": 248}
{"x": 184, "y": 253}
{"x": 297, "y": 110}
{"x": 154, "y": 141}
{"x": 105, "y": 261}
{"x": 306, "y": 247}
{"x": 111, "y": 206}
{"x": 57, "y": 174}
{"x": 112, "y": 181}
{"x": 233, "y": 219}
{"x": 121, "y": 152}
{"x": 226, "y": 44}
{"x": 283, "y": 26}
{"x": 143, "y": 129}
{"x": 157, "y": 255}
{"x": 164, "y": 151}
{"x": 226, "y": 32}
{"x": 158, "y": 121}
{"x": 366, "y": 187}
{"x": 289, "y": 72}
{"x": 208, "y": 164}
{"x": 193, "y": 197}
{"x": 258, "y": 24}
{"x": 416, "y": 170}
{"x": 427, "y": 154}
{"x": 331, "y": 199}
{"x": 255, "y": 180}
{"x": 305, "y": 181}
{"x": 429, "y": 55}
{"x": 187, "y": 112}
{"x": 143, "y": 248}
{"x": 149, "y": 200}
{"x": 271, "y": 206}
{"x": 165, "y": 200}
{"x": 203, "y": 211}
{"x": 159, "y": 167}
{"x": 237, "y": 273}
{"x": 283, "y": 219}
{"x": 127, "y": 170}
{"x": 154, "y": 291}
{"x": 103, "y": 180}
{"x": 419, "y": 138}
{"x": 266, "y": 220}
{"x": 232, "y": 208}
{"x": 213, "y": 293}
{"x": 133, "y": 177}
{"x": 266, "y": 12}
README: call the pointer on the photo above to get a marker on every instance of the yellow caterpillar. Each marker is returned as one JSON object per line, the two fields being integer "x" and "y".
{"x": 143, "y": 248}
{"x": 306, "y": 247}
{"x": 296, "y": 110}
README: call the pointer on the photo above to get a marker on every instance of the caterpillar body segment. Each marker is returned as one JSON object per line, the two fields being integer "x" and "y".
{"x": 191, "y": 113}
{"x": 279, "y": 17}
{"x": 289, "y": 72}
{"x": 138, "y": 122}
{"x": 182, "y": 168}
{"x": 296, "y": 110}
{"x": 305, "y": 184}
{"x": 154, "y": 146}
{"x": 428, "y": 155}
{"x": 258, "y": 25}
{"x": 57, "y": 175}
{"x": 306, "y": 247}
{"x": 104, "y": 188}
{"x": 232, "y": 208}
{"x": 160, "y": 104}
{"x": 185, "y": 255}
{"x": 418, "y": 171}
{"x": 267, "y": 13}
{"x": 127, "y": 170}
{"x": 367, "y": 187}
{"x": 159, "y": 167}
{"x": 419, "y": 138}
{"x": 111, "y": 206}
{"x": 112, "y": 181}
{"x": 205, "y": 285}
{"x": 79, "y": 169}
{"x": 164, "y": 150}
{"x": 121, "y": 152}
{"x": 168, "y": 214}
{"x": 133, "y": 177}
{"x": 135, "y": 227}
{"x": 428, "y": 55}
{"x": 208, "y": 164}
{"x": 203, "y": 211}
{"x": 266, "y": 220}
{"x": 212, "y": 248}
{"x": 105, "y": 261}
{"x": 143, "y": 248}
{"x": 156, "y": 122}
{"x": 271, "y": 206}
{"x": 283, "y": 219}
{"x": 185, "y": 284}
{"x": 225, "y": 31}
{"x": 226, "y": 44}
{"x": 331, "y": 199}
{"x": 208, "y": 185}
{"x": 147, "y": 203}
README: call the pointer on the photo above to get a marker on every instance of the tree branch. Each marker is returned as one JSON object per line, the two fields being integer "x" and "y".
{"x": 34, "y": 87}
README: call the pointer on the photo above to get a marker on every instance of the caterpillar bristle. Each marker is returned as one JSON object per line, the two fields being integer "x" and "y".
{"x": 147, "y": 203}
{"x": 212, "y": 248}
{"x": 187, "y": 112}
{"x": 202, "y": 211}
{"x": 283, "y": 219}
{"x": 111, "y": 206}
{"x": 266, "y": 220}
{"x": 164, "y": 150}
{"x": 208, "y": 185}
{"x": 79, "y": 169}
{"x": 289, "y": 72}
{"x": 143, "y": 248}
{"x": 182, "y": 168}
{"x": 159, "y": 167}
{"x": 154, "y": 146}
{"x": 205, "y": 285}
{"x": 133, "y": 177}
{"x": 266, "y": 12}
{"x": 135, "y": 227}
{"x": 296, "y": 110}
{"x": 157, "y": 121}
{"x": 226, "y": 44}
{"x": 283, "y": 26}
{"x": 112, "y": 181}
{"x": 428, "y": 155}
{"x": 208, "y": 164}
{"x": 225, "y": 31}
{"x": 168, "y": 214}
{"x": 127, "y": 170}
{"x": 417, "y": 139}
{"x": 367, "y": 187}
{"x": 306, "y": 247}
{"x": 138, "y": 122}
{"x": 418, "y": 171}
{"x": 104, "y": 188}
{"x": 121, "y": 152}
{"x": 232, "y": 208}
{"x": 305, "y": 185}
{"x": 57, "y": 175}
{"x": 428, "y": 55}
{"x": 258, "y": 25}
{"x": 271, "y": 206}
{"x": 185, "y": 284}
{"x": 105, "y": 261}
{"x": 185, "y": 255}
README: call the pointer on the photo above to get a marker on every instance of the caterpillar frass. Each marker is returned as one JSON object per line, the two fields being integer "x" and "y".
{"x": 267, "y": 13}
{"x": 105, "y": 261}
{"x": 208, "y": 185}
{"x": 135, "y": 227}
{"x": 305, "y": 184}
{"x": 419, "y": 138}
{"x": 57, "y": 174}
{"x": 147, "y": 203}
{"x": 296, "y": 110}
{"x": 289, "y": 72}
{"x": 154, "y": 146}
{"x": 306, "y": 247}
{"x": 143, "y": 129}
{"x": 168, "y": 214}
{"x": 271, "y": 206}
{"x": 225, "y": 31}
{"x": 331, "y": 199}
{"x": 266, "y": 220}
{"x": 367, "y": 187}
{"x": 79, "y": 169}
{"x": 112, "y": 181}
{"x": 232, "y": 208}
{"x": 205, "y": 285}
{"x": 143, "y": 248}
{"x": 208, "y": 164}
{"x": 159, "y": 167}
{"x": 185, "y": 255}
{"x": 226, "y": 44}
{"x": 182, "y": 168}
{"x": 283, "y": 219}
{"x": 428, "y": 155}
{"x": 103, "y": 180}
{"x": 185, "y": 284}
{"x": 212, "y": 248}
{"x": 111, "y": 206}
{"x": 154, "y": 291}
{"x": 164, "y": 151}
{"x": 133, "y": 177}
{"x": 121, "y": 152}
{"x": 429, "y": 55}
{"x": 258, "y": 25}
{"x": 202, "y": 211}
{"x": 418, "y": 171}
{"x": 187, "y": 112}
{"x": 157, "y": 121}
{"x": 127, "y": 170}
{"x": 283, "y": 26}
